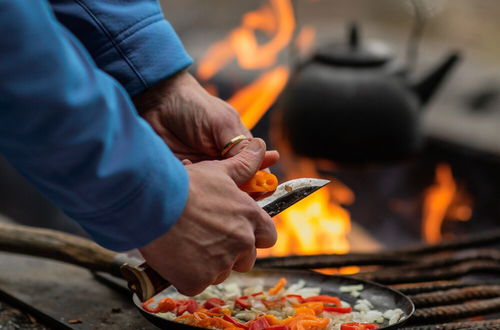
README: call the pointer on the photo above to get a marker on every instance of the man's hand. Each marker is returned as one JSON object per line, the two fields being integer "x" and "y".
{"x": 193, "y": 123}
{"x": 220, "y": 227}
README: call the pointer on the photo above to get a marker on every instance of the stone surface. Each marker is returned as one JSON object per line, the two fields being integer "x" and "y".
{"x": 64, "y": 292}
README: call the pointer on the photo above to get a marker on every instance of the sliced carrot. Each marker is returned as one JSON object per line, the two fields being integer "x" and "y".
{"x": 277, "y": 288}
{"x": 261, "y": 182}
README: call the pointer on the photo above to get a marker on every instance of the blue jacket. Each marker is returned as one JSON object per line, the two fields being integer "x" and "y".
{"x": 69, "y": 127}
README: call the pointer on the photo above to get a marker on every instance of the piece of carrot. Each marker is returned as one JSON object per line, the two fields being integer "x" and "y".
{"x": 261, "y": 182}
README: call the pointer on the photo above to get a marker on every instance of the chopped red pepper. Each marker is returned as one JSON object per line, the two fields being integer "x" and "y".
{"x": 257, "y": 294}
{"x": 278, "y": 327}
{"x": 243, "y": 302}
{"x": 324, "y": 299}
{"x": 164, "y": 305}
{"x": 213, "y": 302}
{"x": 342, "y": 310}
{"x": 233, "y": 321}
{"x": 259, "y": 323}
{"x": 358, "y": 326}
{"x": 215, "y": 310}
{"x": 187, "y": 305}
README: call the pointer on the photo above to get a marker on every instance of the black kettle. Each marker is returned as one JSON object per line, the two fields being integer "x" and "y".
{"x": 350, "y": 103}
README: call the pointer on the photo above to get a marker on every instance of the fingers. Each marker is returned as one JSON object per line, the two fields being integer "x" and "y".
{"x": 265, "y": 232}
{"x": 270, "y": 158}
{"x": 233, "y": 127}
{"x": 245, "y": 261}
{"x": 243, "y": 165}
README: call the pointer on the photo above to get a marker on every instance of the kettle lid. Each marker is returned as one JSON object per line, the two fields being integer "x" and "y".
{"x": 353, "y": 54}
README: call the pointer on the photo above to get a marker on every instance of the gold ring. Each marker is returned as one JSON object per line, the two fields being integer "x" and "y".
{"x": 234, "y": 141}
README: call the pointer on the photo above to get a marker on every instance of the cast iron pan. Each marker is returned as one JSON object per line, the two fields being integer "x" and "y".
{"x": 382, "y": 297}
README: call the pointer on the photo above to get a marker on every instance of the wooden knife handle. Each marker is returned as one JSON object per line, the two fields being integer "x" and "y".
{"x": 143, "y": 280}
{"x": 58, "y": 246}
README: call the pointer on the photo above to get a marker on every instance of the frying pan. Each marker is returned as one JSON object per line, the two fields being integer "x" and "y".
{"x": 82, "y": 252}
{"x": 382, "y": 297}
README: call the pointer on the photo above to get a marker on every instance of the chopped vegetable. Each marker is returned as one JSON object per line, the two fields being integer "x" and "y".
{"x": 358, "y": 326}
{"x": 297, "y": 307}
{"x": 277, "y": 288}
{"x": 243, "y": 302}
{"x": 259, "y": 323}
{"x": 261, "y": 182}
{"x": 342, "y": 310}
{"x": 188, "y": 305}
{"x": 325, "y": 299}
{"x": 164, "y": 305}
{"x": 234, "y": 322}
{"x": 213, "y": 302}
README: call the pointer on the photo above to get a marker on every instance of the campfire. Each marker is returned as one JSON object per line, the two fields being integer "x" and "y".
{"x": 322, "y": 222}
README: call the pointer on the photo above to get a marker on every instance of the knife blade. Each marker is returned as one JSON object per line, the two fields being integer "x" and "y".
{"x": 289, "y": 193}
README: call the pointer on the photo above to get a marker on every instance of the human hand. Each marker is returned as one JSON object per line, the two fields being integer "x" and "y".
{"x": 194, "y": 124}
{"x": 220, "y": 228}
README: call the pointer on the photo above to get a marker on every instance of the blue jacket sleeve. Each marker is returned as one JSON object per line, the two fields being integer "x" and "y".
{"x": 130, "y": 40}
{"x": 73, "y": 132}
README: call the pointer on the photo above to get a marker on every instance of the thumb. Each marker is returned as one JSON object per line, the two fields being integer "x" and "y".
{"x": 242, "y": 166}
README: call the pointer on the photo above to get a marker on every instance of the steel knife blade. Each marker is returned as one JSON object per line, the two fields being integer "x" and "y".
{"x": 289, "y": 193}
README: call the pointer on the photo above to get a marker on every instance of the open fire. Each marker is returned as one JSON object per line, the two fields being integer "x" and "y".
{"x": 443, "y": 200}
{"x": 320, "y": 223}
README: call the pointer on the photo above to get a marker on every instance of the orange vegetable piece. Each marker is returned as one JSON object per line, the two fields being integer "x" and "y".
{"x": 272, "y": 320}
{"x": 261, "y": 182}
{"x": 316, "y": 306}
{"x": 317, "y": 324}
{"x": 164, "y": 305}
{"x": 278, "y": 286}
{"x": 302, "y": 310}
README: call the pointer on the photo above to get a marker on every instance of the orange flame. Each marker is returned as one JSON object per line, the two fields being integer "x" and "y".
{"x": 317, "y": 224}
{"x": 443, "y": 200}
{"x": 257, "y": 97}
{"x": 276, "y": 20}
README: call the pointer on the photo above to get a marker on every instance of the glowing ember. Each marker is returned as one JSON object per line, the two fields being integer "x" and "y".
{"x": 443, "y": 200}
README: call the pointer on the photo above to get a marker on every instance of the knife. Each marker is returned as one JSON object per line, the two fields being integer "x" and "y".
{"x": 146, "y": 282}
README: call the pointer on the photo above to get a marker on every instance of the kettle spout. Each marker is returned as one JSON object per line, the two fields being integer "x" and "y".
{"x": 426, "y": 88}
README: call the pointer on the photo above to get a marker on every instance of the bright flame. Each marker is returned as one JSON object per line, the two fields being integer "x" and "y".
{"x": 317, "y": 224}
{"x": 275, "y": 19}
{"x": 443, "y": 200}
{"x": 254, "y": 99}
